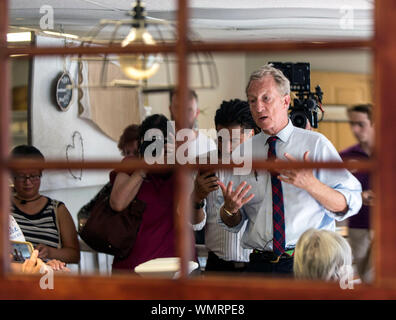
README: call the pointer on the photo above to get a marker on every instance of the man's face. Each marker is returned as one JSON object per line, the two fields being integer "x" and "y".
{"x": 267, "y": 105}
{"x": 362, "y": 127}
{"x": 232, "y": 139}
{"x": 191, "y": 108}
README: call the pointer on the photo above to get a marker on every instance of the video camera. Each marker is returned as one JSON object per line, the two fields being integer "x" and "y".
{"x": 307, "y": 103}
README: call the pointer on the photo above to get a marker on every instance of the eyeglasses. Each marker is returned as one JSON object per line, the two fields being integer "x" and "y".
{"x": 23, "y": 178}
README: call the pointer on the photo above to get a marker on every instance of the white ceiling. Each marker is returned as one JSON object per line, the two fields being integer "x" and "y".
{"x": 217, "y": 19}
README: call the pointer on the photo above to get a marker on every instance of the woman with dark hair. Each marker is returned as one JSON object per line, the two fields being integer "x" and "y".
{"x": 128, "y": 142}
{"x": 155, "y": 238}
{"x": 45, "y": 222}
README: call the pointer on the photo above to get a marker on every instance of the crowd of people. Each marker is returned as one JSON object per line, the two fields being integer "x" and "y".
{"x": 274, "y": 222}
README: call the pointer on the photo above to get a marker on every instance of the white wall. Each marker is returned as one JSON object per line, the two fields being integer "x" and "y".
{"x": 231, "y": 69}
{"x": 52, "y": 129}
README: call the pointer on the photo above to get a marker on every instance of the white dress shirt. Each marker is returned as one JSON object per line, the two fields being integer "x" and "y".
{"x": 302, "y": 211}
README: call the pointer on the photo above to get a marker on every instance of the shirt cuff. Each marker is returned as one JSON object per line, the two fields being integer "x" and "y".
{"x": 354, "y": 203}
{"x": 199, "y": 226}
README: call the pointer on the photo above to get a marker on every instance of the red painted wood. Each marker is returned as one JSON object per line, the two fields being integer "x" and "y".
{"x": 385, "y": 116}
{"x": 4, "y": 137}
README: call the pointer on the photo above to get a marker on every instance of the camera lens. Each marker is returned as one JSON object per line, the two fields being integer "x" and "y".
{"x": 298, "y": 119}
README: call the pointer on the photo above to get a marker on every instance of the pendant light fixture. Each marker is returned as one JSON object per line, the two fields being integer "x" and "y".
{"x": 139, "y": 66}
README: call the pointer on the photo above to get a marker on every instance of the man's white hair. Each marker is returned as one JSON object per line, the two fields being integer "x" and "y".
{"x": 322, "y": 255}
{"x": 269, "y": 70}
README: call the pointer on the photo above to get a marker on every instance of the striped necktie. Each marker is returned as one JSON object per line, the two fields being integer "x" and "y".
{"x": 278, "y": 213}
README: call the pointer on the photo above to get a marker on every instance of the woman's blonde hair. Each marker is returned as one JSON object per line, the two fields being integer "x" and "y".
{"x": 322, "y": 255}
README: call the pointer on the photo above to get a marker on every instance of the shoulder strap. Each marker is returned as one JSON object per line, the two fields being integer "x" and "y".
{"x": 56, "y": 206}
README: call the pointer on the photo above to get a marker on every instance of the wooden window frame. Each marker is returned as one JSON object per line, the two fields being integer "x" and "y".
{"x": 220, "y": 287}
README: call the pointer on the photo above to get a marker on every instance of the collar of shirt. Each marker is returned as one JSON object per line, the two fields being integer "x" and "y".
{"x": 283, "y": 135}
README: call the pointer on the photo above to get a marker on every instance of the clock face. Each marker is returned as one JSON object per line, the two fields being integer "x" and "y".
{"x": 64, "y": 91}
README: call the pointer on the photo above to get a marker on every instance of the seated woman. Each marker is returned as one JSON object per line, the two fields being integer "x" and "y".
{"x": 45, "y": 222}
{"x": 34, "y": 263}
{"x": 155, "y": 238}
{"x": 322, "y": 255}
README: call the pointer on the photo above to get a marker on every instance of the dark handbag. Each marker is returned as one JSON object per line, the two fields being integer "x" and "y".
{"x": 84, "y": 213}
{"x": 110, "y": 231}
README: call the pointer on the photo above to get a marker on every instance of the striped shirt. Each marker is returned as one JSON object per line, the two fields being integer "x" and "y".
{"x": 225, "y": 244}
{"x": 39, "y": 228}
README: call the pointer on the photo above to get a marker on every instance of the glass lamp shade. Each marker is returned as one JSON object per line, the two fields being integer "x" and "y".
{"x": 139, "y": 66}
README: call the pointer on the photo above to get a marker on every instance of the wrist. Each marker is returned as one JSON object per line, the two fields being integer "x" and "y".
{"x": 49, "y": 253}
{"x": 197, "y": 198}
{"x": 229, "y": 213}
{"x": 313, "y": 186}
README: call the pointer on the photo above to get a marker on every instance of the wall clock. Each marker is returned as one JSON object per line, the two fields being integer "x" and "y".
{"x": 64, "y": 91}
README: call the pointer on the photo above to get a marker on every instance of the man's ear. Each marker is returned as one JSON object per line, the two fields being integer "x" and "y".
{"x": 198, "y": 111}
{"x": 287, "y": 101}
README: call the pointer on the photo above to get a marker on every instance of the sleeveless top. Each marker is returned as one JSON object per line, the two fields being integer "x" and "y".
{"x": 39, "y": 228}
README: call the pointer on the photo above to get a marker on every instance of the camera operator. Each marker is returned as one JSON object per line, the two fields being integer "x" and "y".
{"x": 288, "y": 202}
{"x": 305, "y": 109}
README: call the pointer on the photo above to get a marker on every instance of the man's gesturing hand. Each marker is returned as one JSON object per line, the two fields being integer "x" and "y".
{"x": 234, "y": 200}
{"x": 300, "y": 178}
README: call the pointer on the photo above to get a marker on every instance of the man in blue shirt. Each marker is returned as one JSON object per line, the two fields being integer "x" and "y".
{"x": 305, "y": 198}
